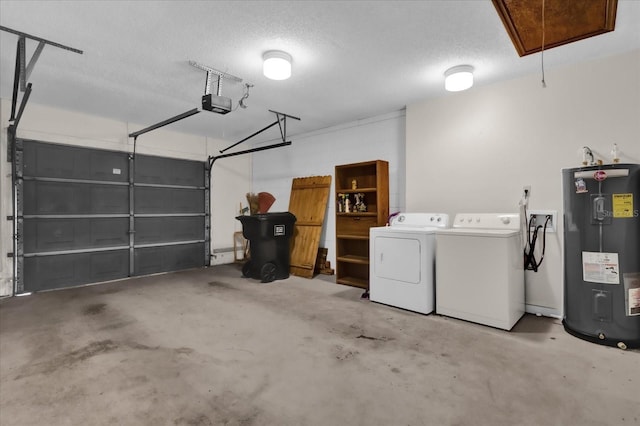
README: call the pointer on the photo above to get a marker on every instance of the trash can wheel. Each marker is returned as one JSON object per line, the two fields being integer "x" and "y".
{"x": 246, "y": 269}
{"x": 268, "y": 272}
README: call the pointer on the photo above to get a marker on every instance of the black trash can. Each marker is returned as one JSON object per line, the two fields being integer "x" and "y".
{"x": 268, "y": 235}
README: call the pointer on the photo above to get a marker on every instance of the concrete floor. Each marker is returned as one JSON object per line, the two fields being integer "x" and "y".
{"x": 207, "y": 347}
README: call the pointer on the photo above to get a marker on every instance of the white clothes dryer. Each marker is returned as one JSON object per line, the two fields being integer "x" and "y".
{"x": 480, "y": 269}
{"x": 402, "y": 261}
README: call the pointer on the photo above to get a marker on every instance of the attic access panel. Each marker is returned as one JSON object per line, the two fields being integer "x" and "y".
{"x": 564, "y": 21}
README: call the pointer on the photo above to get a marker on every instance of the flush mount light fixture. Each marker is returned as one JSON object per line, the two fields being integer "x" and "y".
{"x": 277, "y": 65}
{"x": 458, "y": 78}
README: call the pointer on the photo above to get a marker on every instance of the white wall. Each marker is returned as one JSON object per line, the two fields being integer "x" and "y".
{"x": 230, "y": 177}
{"x": 474, "y": 151}
{"x": 317, "y": 153}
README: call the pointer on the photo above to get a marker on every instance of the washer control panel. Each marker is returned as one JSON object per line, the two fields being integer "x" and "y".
{"x": 487, "y": 220}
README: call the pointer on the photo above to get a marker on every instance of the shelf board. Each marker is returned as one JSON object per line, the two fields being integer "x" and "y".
{"x": 353, "y": 281}
{"x": 352, "y": 237}
{"x": 355, "y": 214}
{"x": 352, "y": 258}
{"x": 355, "y": 191}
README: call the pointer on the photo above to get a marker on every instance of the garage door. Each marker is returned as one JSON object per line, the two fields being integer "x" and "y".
{"x": 88, "y": 215}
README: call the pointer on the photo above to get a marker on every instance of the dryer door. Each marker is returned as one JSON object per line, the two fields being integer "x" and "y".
{"x": 397, "y": 259}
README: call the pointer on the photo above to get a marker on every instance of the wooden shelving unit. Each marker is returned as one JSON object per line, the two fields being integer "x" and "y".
{"x": 371, "y": 179}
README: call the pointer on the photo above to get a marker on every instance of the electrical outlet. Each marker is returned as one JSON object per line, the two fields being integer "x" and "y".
{"x": 526, "y": 193}
{"x": 539, "y": 217}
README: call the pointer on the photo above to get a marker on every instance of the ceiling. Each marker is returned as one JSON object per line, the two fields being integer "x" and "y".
{"x": 351, "y": 59}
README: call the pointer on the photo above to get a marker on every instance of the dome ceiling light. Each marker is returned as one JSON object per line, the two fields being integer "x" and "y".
{"x": 277, "y": 65}
{"x": 458, "y": 78}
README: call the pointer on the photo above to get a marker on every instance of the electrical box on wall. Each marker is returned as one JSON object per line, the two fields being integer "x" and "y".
{"x": 540, "y": 217}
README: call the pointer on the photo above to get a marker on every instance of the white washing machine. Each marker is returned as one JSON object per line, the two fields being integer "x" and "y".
{"x": 402, "y": 260}
{"x": 480, "y": 269}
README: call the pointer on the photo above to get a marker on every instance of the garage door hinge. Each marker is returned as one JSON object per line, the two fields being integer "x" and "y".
{"x": 9, "y": 217}
{"x": 9, "y": 254}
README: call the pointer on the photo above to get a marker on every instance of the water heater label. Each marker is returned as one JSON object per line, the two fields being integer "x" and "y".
{"x": 632, "y": 293}
{"x": 600, "y": 268}
{"x": 634, "y": 301}
{"x": 623, "y": 205}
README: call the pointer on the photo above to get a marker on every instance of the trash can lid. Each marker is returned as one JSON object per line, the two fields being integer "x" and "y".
{"x": 269, "y": 216}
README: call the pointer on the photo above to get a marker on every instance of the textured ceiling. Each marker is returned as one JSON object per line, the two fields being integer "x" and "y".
{"x": 351, "y": 59}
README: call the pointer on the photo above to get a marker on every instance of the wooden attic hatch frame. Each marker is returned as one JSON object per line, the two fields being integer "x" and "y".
{"x": 565, "y": 21}
{"x": 308, "y": 203}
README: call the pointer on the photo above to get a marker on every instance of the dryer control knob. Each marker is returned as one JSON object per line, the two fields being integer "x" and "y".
{"x": 506, "y": 220}
{"x": 431, "y": 218}
{"x": 439, "y": 219}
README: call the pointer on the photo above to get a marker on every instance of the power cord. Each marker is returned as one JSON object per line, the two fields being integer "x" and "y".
{"x": 530, "y": 263}
{"x": 245, "y": 95}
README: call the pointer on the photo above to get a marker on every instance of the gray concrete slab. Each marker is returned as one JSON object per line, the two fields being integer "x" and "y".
{"x": 207, "y": 347}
